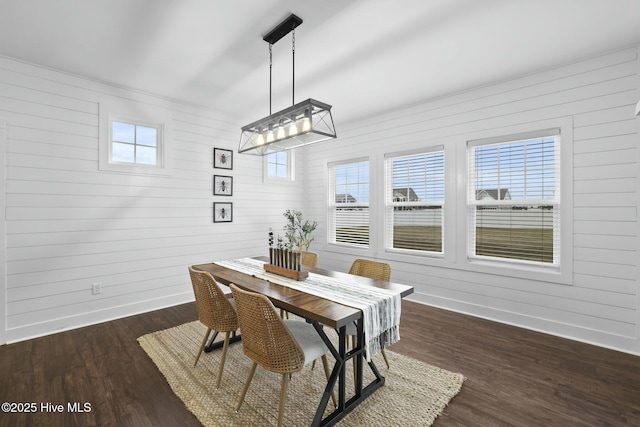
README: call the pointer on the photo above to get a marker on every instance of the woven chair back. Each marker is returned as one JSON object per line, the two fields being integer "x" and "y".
{"x": 214, "y": 309}
{"x": 265, "y": 338}
{"x": 371, "y": 269}
{"x": 309, "y": 259}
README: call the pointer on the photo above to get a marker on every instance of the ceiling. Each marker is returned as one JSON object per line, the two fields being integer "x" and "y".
{"x": 361, "y": 56}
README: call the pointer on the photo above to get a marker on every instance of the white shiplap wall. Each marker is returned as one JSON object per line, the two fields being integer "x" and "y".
{"x": 3, "y": 265}
{"x": 594, "y": 100}
{"x": 69, "y": 225}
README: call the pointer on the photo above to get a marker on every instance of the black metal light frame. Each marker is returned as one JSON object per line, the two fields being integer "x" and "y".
{"x": 304, "y": 123}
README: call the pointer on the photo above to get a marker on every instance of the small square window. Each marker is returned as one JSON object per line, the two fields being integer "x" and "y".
{"x": 134, "y": 138}
{"x": 279, "y": 166}
{"x": 134, "y": 143}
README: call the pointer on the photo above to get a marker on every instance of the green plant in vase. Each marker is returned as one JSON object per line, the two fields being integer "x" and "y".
{"x": 298, "y": 230}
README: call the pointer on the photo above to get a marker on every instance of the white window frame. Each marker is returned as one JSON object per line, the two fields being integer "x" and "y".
{"x": 334, "y": 206}
{"x": 135, "y": 113}
{"x": 391, "y": 204}
{"x": 563, "y": 272}
{"x": 289, "y": 178}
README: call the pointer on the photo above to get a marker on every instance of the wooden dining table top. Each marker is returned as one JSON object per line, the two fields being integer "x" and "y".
{"x": 325, "y": 311}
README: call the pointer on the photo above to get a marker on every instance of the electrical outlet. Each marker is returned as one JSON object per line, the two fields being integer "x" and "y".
{"x": 96, "y": 288}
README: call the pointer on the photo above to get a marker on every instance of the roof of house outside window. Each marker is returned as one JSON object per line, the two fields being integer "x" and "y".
{"x": 493, "y": 193}
{"x": 405, "y": 195}
{"x": 345, "y": 198}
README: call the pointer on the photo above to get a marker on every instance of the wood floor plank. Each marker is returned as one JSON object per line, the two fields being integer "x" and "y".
{"x": 520, "y": 377}
{"x": 513, "y": 376}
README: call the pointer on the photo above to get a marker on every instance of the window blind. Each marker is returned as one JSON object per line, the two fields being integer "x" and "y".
{"x": 514, "y": 199}
{"x": 414, "y": 199}
{"x": 349, "y": 203}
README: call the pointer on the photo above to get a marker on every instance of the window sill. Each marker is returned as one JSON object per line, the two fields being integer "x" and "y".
{"x": 134, "y": 169}
{"x": 414, "y": 253}
{"x": 551, "y": 274}
{"x": 278, "y": 181}
{"x": 348, "y": 249}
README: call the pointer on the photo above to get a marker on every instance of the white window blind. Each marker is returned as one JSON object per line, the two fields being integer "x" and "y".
{"x": 414, "y": 201}
{"x": 514, "y": 198}
{"x": 349, "y": 203}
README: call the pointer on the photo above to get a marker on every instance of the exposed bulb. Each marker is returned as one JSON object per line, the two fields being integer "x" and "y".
{"x": 306, "y": 124}
{"x": 280, "y": 133}
{"x": 293, "y": 129}
{"x": 260, "y": 138}
{"x": 306, "y": 121}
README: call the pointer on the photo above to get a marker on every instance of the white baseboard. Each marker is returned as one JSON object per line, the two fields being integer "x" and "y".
{"x": 584, "y": 335}
{"x": 86, "y": 319}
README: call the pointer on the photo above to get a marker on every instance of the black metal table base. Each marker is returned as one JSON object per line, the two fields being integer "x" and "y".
{"x": 216, "y": 345}
{"x": 338, "y": 375}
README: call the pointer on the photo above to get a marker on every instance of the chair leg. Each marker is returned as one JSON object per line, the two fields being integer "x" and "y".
{"x": 313, "y": 364}
{"x": 325, "y": 364}
{"x": 225, "y": 347}
{"x": 246, "y": 385}
{"x": 204, "y": 342}
{"x": 283, "y": 395}
{"x": 385, "y": 358}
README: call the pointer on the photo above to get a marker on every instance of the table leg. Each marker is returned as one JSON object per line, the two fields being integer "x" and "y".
{"x": 338, "y": 375}
{"x": 359, "y": 347}
{"x": 216, "y": 345}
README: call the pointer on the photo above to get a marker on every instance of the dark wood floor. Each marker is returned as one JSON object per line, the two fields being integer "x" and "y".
{"x": 514, "y": 376}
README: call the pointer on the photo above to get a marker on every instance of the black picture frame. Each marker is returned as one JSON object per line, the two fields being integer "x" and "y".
{"x": 222, "y": 159}
{"x": 222, "y": 212}
{"x": 222, "y": 185}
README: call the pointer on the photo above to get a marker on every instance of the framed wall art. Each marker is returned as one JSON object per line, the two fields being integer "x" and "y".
{"x": 222, "y": 212}
{"x": 222, "y": 159}
{"x": 222, "y": 185}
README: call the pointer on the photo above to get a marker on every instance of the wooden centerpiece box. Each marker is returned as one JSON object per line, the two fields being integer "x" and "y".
{"x": 286, "y": 263}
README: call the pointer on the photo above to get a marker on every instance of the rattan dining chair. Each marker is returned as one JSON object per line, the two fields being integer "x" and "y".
{"x": 215, "y": 311}
{"x": 309, "y": 259}
{"x": 373, "y": 270}
{"x": 277, "y": 345}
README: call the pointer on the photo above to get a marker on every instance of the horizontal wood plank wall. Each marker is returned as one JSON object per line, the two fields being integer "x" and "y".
{"x": 70, "y": 225}
{"x": 598, "y": 95}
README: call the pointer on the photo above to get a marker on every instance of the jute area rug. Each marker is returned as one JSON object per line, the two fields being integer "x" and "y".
{"x": 414, "y": 393}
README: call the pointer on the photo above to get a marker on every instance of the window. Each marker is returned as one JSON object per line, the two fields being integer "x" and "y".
{"x": 134, "y": 138}
{"x": 134, "y": 143}
{"x": 514, "y": 198}
{"x": 349, "y": 203}
{"x": 279, "y": 165}
{"x": 414, "y": 201}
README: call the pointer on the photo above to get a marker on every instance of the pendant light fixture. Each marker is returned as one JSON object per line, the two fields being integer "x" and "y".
{"x": 304, "y": 123}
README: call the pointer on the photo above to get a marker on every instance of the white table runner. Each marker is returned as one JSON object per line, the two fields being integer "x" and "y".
{"x": 380, "y": 307}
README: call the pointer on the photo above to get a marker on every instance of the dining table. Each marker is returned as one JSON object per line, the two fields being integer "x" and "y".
{"x": 321, "y": 313}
